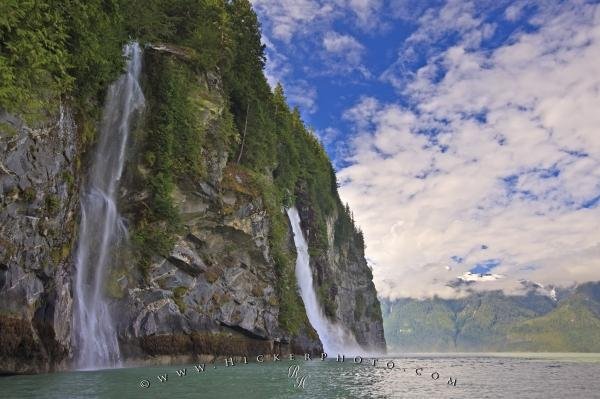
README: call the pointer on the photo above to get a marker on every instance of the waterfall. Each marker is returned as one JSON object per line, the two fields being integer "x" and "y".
{"x": 101, "y": 228}
{"x": 333, "y": 336}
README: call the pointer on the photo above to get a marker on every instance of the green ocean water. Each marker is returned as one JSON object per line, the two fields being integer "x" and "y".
{"x": 476, "y": 375}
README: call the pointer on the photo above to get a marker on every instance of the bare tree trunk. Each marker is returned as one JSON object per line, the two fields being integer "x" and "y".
{"x": 244, "y": 136}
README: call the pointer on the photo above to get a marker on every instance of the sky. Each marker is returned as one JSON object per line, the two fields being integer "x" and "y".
{"x": 465, "y": 134}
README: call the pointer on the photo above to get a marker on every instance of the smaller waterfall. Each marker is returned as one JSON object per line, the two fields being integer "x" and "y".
{"x": 101, "y": 228}
{"x": 333, "y": 336}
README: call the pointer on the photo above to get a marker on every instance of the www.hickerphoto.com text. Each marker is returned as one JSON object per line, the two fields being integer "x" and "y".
{"x": 232, "y": 361}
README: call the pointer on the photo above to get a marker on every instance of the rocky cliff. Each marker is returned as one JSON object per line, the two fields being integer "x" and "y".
{"x": 38, "y": 220}
{"x": 212, "y": 163}
{"x": 213, "y": 278}
{"x": 344, "y": 281}
{"x": 215, "y": 291}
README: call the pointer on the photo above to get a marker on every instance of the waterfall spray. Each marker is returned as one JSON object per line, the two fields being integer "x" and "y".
{"x": 101, "y": 229}
{"x": 333, "y": 336}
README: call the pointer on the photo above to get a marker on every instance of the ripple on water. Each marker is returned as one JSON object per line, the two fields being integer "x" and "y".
{"x": 477, "y": 377}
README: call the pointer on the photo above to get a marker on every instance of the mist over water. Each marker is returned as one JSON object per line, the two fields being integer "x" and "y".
{"x": 101, "y": 229}
{"x": 333, "y": 336}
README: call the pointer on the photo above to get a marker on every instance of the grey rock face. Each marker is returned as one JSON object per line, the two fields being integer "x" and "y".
{"x": 215, "y": 293}
{"x": 218, "y": 279}
{"x": 184, "y": 257}
{"x": 216, "y": 290}
{"x": 342, "y": 275}
{"x": 37, "y": 224}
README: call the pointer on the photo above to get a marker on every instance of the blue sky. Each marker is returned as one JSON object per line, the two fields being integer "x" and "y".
{"x": 465, "y": 133}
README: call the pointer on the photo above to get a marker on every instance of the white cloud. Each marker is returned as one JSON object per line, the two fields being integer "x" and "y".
{"x": 465, "y": 19}
{"x": 455, "y": 15}
{"x": 407, "y": 10}
{"x": 328, "y": 135}
{"x": 302, "y": 94}
{"x": 312, "y": 21}
{"x": 277, "y": 67}
{"x": 495, "y": 160}
{"x": 363, "y": 112}
{"x": 298, "y": 91}
{"x": 513, "y": 12}
{"x": 474, "y": 277}
{"x": 366, "y": 11}
{"x": 285, "y": 18}
{"x": 343, "y": 46}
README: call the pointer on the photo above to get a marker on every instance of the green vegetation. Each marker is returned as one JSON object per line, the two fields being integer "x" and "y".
{"x": 71, "y": 50}
{"x": 171, "y": 143}
{"x": 574, "y": 325}
{"x": 29, "y": 194}
{"x": 419, "y": 325}
{"x": 178, "y": 294}
{"x": 52, "y": 204}
{"x": 327, "y": 301}
{"x": 360, "y": 305}
{"x": 52, "y": 48}
{"x": 496, "y": 322}
{"x": 7, "y": 130}
{"x": 59, "y": 254}
{"x": 374, "y": 311}
{"x": 267, "y": 143}
{"x": 113, "y": 288}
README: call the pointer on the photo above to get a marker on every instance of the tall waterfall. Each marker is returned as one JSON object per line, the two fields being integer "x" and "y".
{"x": 101, "y": 228}
{"x": 333, "y": 336}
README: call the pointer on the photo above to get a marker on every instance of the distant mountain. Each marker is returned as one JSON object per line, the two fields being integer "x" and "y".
{"x": 566, "y": 320}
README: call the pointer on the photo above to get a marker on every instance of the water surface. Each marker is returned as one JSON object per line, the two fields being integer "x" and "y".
{"x": 477, "y": 375}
